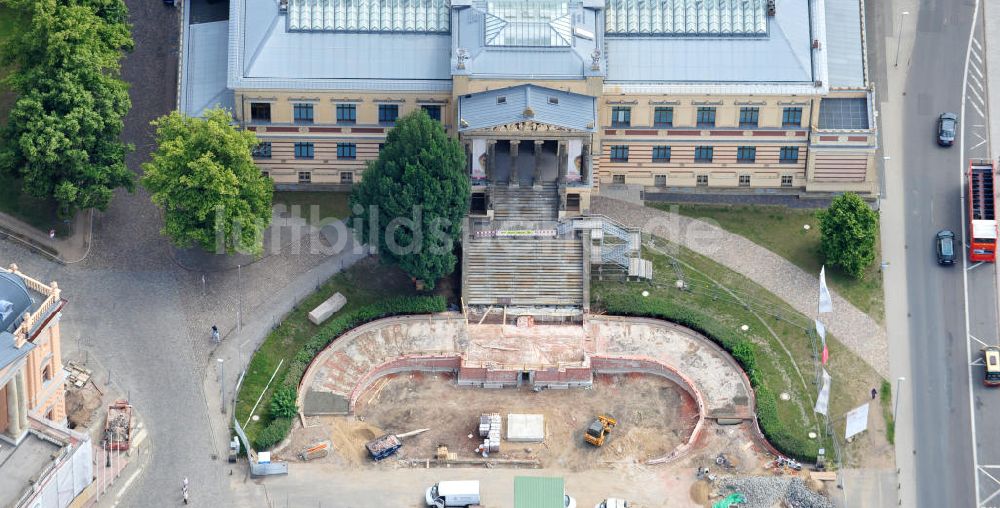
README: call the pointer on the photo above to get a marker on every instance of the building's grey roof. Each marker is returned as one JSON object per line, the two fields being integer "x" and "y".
{"x": 10, "y": 354}
{"x": 501, "y": 41}
{"x": 551, "y": 107}
{"x": 845, "y": 55}
{"x": 687, "y": 17}
{"x": 369, "y": 15}
{"x": 785, "y": 55}
{"x": 843, "y": 113}
{"x": 204, "y": 79}
{"x": 15, "y": 300}
{"x": 264, "y": 54}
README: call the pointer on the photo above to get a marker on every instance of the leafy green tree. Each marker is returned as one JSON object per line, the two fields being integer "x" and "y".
{"x": 848, "y": 231}
{"x": 203, "y": 176}
{"x": 413, "y": 199}
{"x": 62, "y": 134}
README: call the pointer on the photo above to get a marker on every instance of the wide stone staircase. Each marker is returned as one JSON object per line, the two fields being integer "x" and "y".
{"x": 524, "y": 271}
{"x": 525, "y": 203}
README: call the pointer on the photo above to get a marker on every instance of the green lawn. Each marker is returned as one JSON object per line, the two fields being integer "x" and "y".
{"x": 326, "y": 204}
{"x": 730, "y": 301}
{"x": 781, "y": 231}
{"x": 363, "y": 284}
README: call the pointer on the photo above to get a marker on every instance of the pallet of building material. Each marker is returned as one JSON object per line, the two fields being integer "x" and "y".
{"x": 316, "y": 451}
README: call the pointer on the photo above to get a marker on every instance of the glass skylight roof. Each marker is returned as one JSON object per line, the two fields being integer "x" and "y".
{"x": 733, "y": 18}
{"x": 528, "y": 23}
{"x": 369, "y": 15}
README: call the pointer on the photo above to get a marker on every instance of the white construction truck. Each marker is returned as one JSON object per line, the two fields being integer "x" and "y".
{"x": 453, "y": 493}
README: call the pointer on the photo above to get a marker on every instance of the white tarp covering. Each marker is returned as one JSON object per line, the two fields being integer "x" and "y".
{"x": 73, "y": 473}
{"x": 823, "y": 400}
{"x": 478, "y": 159}
{"x": 825, "y": 301}
{"x": 574, "y": 164}
{"x": 857, "y": 421}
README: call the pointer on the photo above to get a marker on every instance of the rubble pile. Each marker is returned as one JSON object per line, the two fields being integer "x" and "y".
{"x": 766, "y": 492}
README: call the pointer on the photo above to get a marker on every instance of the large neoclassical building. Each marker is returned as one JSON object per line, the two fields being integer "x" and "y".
{"x": 763, "y": 95}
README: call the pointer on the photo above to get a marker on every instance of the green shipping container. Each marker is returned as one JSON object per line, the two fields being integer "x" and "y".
{"x": 538, "y": 492}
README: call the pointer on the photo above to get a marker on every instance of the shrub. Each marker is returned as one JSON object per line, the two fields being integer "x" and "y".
{"x": 283, "y": 402}
{"x": 273, "y": 433}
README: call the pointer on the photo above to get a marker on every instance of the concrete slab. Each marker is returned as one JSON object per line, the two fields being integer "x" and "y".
{"x": 323, "y": 311}
{"x": 522, "y": 428}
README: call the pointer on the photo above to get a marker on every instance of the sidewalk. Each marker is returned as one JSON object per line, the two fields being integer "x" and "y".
{"x": 853, "y": 328}
{"x": 62, "y": 250}
{"x": 237, "y": 348}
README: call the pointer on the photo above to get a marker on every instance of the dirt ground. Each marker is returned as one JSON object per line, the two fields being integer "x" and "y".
{"x": 81, "y": 405}
{"x": 654, "y": 417}
{"x": 654, "y": 414}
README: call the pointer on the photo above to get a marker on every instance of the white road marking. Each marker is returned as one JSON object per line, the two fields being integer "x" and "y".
{"x": 994, "y": 494}
{"x": 977, "y": 44}
{"x": 974, "y": 266}
{"x": 978, "y": 83}
{"x": 977, "y": 71}
{"x": 975, "y": 54}
{"x": 977, "y": 363}
{"x": 965, "y": 272}
{"x": 128, "y": 482}
{"x": 973, "y": 337}
{"x": 977, "y": 145}
{"x": 980, "y": 97}
{"x": 973, "y": 104}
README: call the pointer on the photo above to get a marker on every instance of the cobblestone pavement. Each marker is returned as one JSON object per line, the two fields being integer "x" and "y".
{"x": 853, "y": 328}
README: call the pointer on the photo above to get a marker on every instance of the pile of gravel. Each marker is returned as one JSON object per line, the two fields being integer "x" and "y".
{"x": 769, "y": 491}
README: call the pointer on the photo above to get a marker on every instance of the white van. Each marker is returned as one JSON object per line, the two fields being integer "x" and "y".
{"x": 454, "y": 493}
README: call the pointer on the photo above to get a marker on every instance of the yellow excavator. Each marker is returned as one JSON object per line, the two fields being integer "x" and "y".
{"x": 599, "y": 429}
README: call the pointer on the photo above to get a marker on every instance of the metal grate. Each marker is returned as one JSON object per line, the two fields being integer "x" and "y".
{"x": 421, "y": 16}
{"x": 740, "y": 18}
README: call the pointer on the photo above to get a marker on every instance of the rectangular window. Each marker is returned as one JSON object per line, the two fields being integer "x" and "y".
{"x": 347, "y": 113}
{"x": 749, "y": 116}
{"x": 789, "y": 154}
{"x": 660, "y": 180}
{"x": 621, "y": 116}
{"x": 661, "y": 154}
{"x": 701, "y": 180}
{"x": 303, "y": 112}
{"x": 347, "y": 177}
{"x": 618, "y": 179}
{"x": 262, "y": 150}
{"x": 746, "y": 154}
{"x": 792, "y": 117}
{"x": 260, "y": 112}
{"x": 703, "y": 154}
{"x": 303, "y": 150}
{"x": 619, "y": 153}
{"x": 388, "y": 113}
{"x": 663, "y": 117}
{"x": 786, "y": 180}
{"x": 573, "y": 202}
{"x": 347, "y": 151}
{"x": 706, "y": 117}
{"x": 305, "y": 177}
{"x": 744, "y": 180}
{"x": 433, "y": 111}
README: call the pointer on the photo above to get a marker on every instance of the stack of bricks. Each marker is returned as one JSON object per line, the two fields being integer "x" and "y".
{"x": 491, "y": 428}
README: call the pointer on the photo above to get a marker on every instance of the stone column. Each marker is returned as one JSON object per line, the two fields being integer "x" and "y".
{"x": 515, "y": 180}
{"x": 491, "y": 149}
{"x": 537, "y": 179}
{"x": 585, "y": 167}
{"x": 13, "y": 410}
{"x": 564, "y": 162}
{"x": 22, "y": 398}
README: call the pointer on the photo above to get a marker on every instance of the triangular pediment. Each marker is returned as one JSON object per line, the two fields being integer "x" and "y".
{"x": 523, "y": 127}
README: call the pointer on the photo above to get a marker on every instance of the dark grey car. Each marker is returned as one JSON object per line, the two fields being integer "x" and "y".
{"x": 945, "y": 246}
{"x": 947, "y": 125}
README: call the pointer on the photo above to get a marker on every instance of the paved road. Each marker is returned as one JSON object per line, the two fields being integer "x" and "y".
{"x": 924, "y": 183}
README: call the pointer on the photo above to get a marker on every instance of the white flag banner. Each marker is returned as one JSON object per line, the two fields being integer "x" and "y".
{"x": 857, "y": 421}
{"x": 824, "y": 395}
{"x": 821, "y": 331}
{"x": 825, "y": 302}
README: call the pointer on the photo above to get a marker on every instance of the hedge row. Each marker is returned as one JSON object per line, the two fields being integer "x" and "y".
{"x": 278, "y": 428}
{"x": 742, "y": 349}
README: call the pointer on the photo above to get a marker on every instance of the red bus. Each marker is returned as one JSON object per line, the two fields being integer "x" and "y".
{"x": 982, "y": 212}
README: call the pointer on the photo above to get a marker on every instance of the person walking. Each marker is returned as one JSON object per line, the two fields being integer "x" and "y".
{"x": 215, "y": 334}
{"x": 184, "y": 488}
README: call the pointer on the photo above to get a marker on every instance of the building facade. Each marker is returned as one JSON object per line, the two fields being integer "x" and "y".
{"x": 763, "y": 95}
{"x": 31, "y": 371}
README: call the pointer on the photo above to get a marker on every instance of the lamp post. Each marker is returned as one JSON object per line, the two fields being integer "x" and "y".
{"x": 895, "y": 407}
{"x": 899, "y": 36}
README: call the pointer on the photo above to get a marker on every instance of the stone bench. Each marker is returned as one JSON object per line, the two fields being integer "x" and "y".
{"x": 327, "y": 308}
